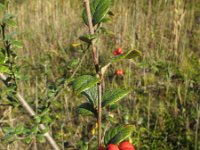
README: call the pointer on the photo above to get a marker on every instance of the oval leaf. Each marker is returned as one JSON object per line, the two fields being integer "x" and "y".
{"x": 2, "y": 58}
{"x": 4, "y": 69}
{"x": 2, "y": 7}
{"x": 99, "y": 9}
{"x": 87, "y": 109}
{"x": 7, "y": 17}
{"x": 91, "y": 95}
{"x": 118, "y": 134}
{"x": 113, "y": 96}
{"x": 41, "y": 138}
{"x": 84, "y": 82}
{"x": 19, "y": 129}
{"x": 8, "y": 129}
{"x": 17, "y": 44}
{"x": 127, "y": 55}
{"x": 11, "y": 23}
{"x": 110, "y": 134}
{"x": 88, "y": 38}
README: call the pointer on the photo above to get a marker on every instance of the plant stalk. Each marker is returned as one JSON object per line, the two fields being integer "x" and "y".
{"x": 7, "y": 46}
{"x": 31, "y": 112}
{"x": 97, "y": 68}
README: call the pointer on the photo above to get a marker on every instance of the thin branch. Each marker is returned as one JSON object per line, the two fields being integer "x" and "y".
{"x": 91, "y": 30}
{"x": 96, "y": 63}
{"x": 31, "y": 112}
{"x": 7, "y": 47}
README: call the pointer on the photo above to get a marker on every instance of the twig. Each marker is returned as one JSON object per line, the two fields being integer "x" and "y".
{"x": 96, "y": 63}
{"x": 31, "y": 112}
{"x": 7, "y": 46}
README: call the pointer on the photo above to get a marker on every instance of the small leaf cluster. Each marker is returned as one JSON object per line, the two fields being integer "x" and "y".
{"x": 118, "y": 134}
{"x": 99, "y": 10}
{"x": 8, "y": 47}
{"x": 8, "y": 44}
{"x": 99, "y": 13}
{"x": 21, "y": 132}
{"x": 86, "y": 85}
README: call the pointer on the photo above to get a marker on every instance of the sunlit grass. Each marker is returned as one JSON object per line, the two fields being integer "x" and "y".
{"x": 164, "y": 102}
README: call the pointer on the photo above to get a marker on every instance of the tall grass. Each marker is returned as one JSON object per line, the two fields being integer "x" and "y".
{"x": 164, "y": 103}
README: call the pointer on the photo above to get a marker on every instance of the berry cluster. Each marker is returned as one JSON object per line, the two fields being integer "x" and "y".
{"x": 122, "y": 146}
{"x": 118, "y": 51}
{"x": 119, "y": 72}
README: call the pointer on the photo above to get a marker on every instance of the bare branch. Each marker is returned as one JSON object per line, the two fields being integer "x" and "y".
{"x": 31, "y": 112}
{"x": 96, "y": 64}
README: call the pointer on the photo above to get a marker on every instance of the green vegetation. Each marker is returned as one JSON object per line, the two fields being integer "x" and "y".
{"x": 163, "y": 102}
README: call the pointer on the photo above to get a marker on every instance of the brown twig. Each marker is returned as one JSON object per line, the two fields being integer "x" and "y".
{"x": 96, "y": 63}
{"x": 31, "y": 112}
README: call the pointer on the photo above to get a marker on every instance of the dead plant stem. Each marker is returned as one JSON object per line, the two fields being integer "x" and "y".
{"x": 31, "y": 112}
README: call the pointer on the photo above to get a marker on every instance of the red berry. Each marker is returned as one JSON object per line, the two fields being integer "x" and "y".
{"x": 119, "y": 72}
{"x": 101, "y": 148}
{"x": 119, "y": 51}
{"x": 112, "y": 147}
{"x": 115, "y": 53}
{"x": 127, "y": 149}
{"x": 126, "y": 146}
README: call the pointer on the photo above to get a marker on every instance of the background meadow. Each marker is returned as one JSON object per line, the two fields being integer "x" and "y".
{"x": 164, "y": 103}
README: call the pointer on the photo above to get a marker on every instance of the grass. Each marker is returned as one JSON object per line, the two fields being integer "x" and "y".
{"x": 164, "y": 102}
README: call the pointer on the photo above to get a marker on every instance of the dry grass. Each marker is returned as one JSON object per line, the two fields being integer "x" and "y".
{"x": 165, "y": 31}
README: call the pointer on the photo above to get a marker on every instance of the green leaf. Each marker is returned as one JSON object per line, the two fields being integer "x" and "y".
{"x": 19, "y": 129}
{"x": 34, "y": 129}
{"x": 41, "y": 138}
{"x": 87, "y": 109}
{"x": 113, "y": 96}
{"x": 114, "y": 106}
{"x": 8, "y": 138}
{"x": 28, "y": 139}
{"x": 2, "y": 58}
{"x": 37, "y": 118}
{"x": 8, "y": 38}
{"x": 99, "y": 9}
{"x": 118, "y": 134}
{"x": 84, "y": 82}
{"x": 84, "y": 17}
{"x": 46, "y": 119}
{"x": 127, "y": 55}
{"x": 4, "y": 69}
{"x": 84, "y": 146}
{"x": 2, "y": 7}
{"x": 8, "y": 19}
{"x": 11, "y": 23}
{"x": 73, "y": 63}
{"x": 88, "y": 38}
{"x": 102, "y": 8}
{"x": 17, "y": 44}
{"x": 91, "y": 95}
{"x": 106, "y": 19}
{"x": 44, "y": 111}
{"x": 93, "y": 5}
{"x": 8, "y": 130}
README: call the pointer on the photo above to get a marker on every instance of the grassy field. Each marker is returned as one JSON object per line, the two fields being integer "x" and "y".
{"x": 164, "y": 103}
